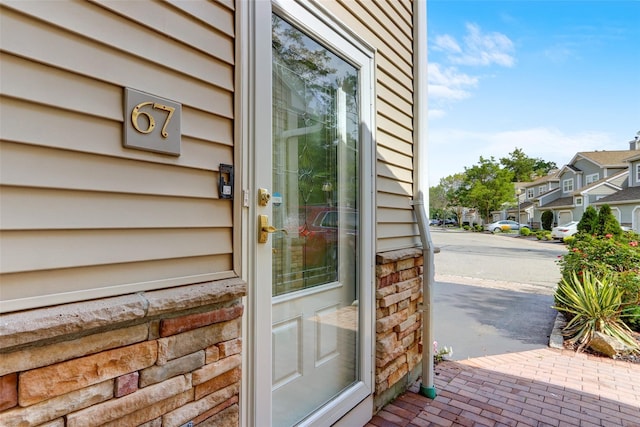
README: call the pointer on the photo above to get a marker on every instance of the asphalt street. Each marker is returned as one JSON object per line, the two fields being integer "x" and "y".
{"x": 493, "y": 293}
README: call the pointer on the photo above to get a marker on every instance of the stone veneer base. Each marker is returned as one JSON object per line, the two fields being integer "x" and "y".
{"x": 398, "y": 350}
{"x": 162, "y": 358}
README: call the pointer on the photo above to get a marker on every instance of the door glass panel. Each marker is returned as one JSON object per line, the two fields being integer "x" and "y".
{"x": 315, "y": 201}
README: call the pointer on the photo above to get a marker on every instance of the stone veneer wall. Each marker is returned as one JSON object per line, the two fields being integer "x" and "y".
{"x": 157, "y": 358}
{"x": 398, "y": 322}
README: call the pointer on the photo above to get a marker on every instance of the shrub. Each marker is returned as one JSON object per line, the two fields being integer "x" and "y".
{"x": 600, "y": 254}
{"x": 478, "y": 227}
{"x": 525, "y": 231}
{"x": 632, "y": 317}
{"x": 589, "y": 220}
{"x": 547, "y": 220}
{"x": 618, "y": 257}
{"x": 466, "y": 227}
{"x": 607, "y": 222}
{"x": 594, "y": 305}
{"x": 543, "y": 235}
{"x": 569, "y": 239}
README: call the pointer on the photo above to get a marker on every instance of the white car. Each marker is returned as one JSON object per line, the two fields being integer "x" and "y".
{"x": 564, "y": 230}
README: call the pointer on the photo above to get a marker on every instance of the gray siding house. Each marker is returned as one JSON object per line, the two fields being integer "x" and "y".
{"x": 590, "y": 179}
{"x": 625, "y": 203}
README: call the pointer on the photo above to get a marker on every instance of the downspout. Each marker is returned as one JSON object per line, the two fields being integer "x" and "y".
{"x": 427, "y": 388}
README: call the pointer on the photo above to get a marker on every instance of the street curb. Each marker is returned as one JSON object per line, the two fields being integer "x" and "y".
{"x": 556, "y": 340}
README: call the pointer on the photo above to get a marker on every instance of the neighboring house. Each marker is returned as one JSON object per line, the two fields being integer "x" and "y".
{"x": 588, "y": 178}
{"x": 625, "y": 203}
{"x": 540, "y": 191}
{"x": 527, "y": 196}
{"x": 163, "y": 164}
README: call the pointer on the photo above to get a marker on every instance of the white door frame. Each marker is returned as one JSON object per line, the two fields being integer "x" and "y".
{"x": 254, "y": 116}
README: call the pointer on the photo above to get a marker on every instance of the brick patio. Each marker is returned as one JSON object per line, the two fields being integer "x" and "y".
{"x": 543, "y": 387}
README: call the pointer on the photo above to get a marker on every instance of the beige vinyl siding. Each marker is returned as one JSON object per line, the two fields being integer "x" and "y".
{"x": 83, "y": 217}
{"x": 387, "y": 25}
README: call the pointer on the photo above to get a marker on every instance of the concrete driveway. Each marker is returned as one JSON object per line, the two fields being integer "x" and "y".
{"x": 493, "y": 293}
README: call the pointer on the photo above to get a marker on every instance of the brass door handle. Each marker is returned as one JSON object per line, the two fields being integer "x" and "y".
{"x": 264, "y": 229}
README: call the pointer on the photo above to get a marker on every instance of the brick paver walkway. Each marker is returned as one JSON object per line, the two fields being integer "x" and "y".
{"x": 544, "y": 387}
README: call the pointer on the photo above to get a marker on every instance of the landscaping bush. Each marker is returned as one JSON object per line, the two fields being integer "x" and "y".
{"x": 600, "y": 255}
{"x": 632, "y": 317}
{"x": 543, "y": 235}
{"x": 547, "y": 220}
{"x": 607, "y": 222}
{"x": 589, "y": 220}
{"x": 525, "y": 231}
{"x": 478, "y": 227}
{"x": 608, "y": 255}
{"x": 594, "y": 305}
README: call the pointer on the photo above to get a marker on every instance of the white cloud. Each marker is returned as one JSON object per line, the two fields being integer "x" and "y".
{"x": 442, "y": 91}
{"x": 486, "y": 48}
{"x": 446, "y": 43}
{"x": 450, "y": 76}
{"x": 449, "y": 83}
{"x": 478, "y": 49}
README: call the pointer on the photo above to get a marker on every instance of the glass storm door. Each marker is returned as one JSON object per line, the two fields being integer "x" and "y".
{"x": 312, "y": 258}
{"x": 315, "y": 198}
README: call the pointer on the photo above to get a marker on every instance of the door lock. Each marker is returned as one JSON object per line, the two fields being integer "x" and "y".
{"x": 263, "y": 197}
{"x": 264, "y": 229}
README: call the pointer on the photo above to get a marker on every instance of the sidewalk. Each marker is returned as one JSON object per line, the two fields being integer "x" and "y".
{"x": 542, "y": 387}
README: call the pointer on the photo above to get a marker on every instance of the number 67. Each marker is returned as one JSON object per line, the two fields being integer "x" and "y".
{"x": 136, "y": 113}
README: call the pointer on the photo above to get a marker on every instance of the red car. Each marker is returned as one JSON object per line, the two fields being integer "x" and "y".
{"x": 320, "y": 228}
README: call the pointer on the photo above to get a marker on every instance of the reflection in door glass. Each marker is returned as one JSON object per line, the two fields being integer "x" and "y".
{"x": 315, "y": 161}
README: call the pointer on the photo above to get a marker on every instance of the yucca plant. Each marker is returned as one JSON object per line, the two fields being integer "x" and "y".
{"x": 594, "y": 305}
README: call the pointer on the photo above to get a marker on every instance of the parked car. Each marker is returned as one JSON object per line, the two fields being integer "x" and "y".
{"x": 504, "y": 225}
{"x": 448, "y": 222}
{"x": 564, "y": 230}
{"x": 452, "y": 222}
{"x": 320, "y": 231}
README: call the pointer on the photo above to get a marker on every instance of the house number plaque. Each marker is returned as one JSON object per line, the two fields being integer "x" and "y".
{"x": 151, "y": 123}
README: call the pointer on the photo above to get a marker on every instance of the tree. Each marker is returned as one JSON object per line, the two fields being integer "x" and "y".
{"x": 547, "y": 220}
{"x": 452, "y": 185}
{"x": 486, "y": 186}
{"x": 525, "y": 168}
{"x": 543, "y": 167}
{"x": 607, "y": 222}
{"x": 521, "y": 165}
{"x": 437, "y": 201}
{"x": 589, "y": 220}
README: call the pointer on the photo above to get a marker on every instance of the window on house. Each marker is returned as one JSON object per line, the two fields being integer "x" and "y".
{"x": 542, "y": 189}
{"x": 592, "y": 178}
{"x": 567, "y": 185}
{"x": 530, "y": 193}
{"x": 638, "y": 173}
{"x": 578, "y": 201}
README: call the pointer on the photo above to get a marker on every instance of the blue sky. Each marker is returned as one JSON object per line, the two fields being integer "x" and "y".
{"x": 550, "y": 77}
